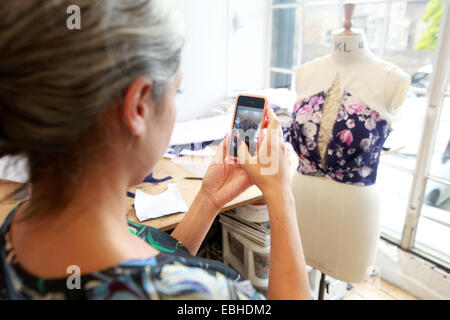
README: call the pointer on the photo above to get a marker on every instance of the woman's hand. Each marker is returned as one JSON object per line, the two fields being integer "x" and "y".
{"x": 223, "y": 182}
{"x": 269, "y": 169}
{"x": 225, "y": 179}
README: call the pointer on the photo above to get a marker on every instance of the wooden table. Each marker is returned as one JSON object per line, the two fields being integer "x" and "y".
{"x": 164, "y": 168}
{"x": 6, "y": 198}
{"x": 188, "y": 189}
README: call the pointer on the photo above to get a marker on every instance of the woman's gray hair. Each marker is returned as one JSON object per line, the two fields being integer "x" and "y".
{"x": 55, "y": 82}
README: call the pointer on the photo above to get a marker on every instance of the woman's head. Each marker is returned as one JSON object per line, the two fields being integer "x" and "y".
{"x": 68, "y": 97}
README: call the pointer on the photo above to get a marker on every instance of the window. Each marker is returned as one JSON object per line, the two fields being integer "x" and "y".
{"x": 433, "y": 231}
{"x": 280, "y": 80}
{"x": 284, "y": 38}
{"x": 285, "y": 44}
{"x": 395, "y": 186}
{"x": 371, "y": 17}
{"x": 433, "y": 228}
{"x": 319, "y": 22}
{"x": 414, "y": 173}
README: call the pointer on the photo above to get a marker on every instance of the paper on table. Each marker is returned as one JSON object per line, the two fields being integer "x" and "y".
{"x": 169, "y": 155}
{"x": 197, "y": 166}
{"x": 14, "y": 168}
{"x": 150, "y": 206}
{"x": 208, "y": 129}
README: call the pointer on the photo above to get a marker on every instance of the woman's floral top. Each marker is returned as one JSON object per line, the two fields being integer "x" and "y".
{"x": 172, "y": 274}
{"x": 355, "y": 145}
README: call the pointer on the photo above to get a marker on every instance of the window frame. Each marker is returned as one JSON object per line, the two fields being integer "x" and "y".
{"x": 436, "y": 92}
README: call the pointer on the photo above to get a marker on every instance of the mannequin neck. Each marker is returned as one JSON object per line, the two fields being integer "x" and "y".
{"x": 349, "y": 49}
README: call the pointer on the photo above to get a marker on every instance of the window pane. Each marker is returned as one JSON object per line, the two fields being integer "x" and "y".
{"x": 280, "y": 80}
{"x": 433, "y": 230}
{"x": 370, "y": 18}
{"x": 394, "y": 188}
{"x": 407, "y": 41}
{"x": 404, "y": 141}
{"x": 320, "y": 22}
{"x": 440, "y": 162}
{"x": 285, "y": 38}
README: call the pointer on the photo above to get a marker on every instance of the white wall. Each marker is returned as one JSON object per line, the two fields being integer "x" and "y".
{"x": 204, "y": 57}
{"x": 248, "y": 50}
{"x": 218, "y": 59}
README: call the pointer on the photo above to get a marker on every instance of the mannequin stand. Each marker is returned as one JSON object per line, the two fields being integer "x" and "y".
{"x": 322, "y": 286}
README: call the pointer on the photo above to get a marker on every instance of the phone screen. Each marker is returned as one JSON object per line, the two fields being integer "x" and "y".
{"x": 247, "y": 124}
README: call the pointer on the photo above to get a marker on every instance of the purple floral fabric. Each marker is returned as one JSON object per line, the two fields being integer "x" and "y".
{"x": 355, "y": 145}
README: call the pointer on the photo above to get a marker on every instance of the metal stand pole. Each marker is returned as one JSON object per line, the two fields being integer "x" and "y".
{"x": 322, "y": 286}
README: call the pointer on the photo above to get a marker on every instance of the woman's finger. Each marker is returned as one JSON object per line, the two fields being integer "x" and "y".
{"x": 274, "y": 126}
{"x": 274, "y": 122}
{"x": 243, "y": 154}
{"x": 226, "y": 147}
{"x": 280, "y": 134}
{"x": 269, "y": 130}
{"x": 220, "y": 156}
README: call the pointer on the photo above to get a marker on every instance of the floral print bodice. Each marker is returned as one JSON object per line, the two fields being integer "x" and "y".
{"x": 355, "y": 144}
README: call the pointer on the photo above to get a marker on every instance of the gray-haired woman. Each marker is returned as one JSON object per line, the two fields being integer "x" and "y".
{"x": 93, "y": 111}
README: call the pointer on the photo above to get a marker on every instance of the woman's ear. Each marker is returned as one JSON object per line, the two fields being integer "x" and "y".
{"x": 136, "y": 105}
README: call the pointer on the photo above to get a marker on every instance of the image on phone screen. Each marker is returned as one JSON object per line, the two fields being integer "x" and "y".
{"x": 247, "y": 126}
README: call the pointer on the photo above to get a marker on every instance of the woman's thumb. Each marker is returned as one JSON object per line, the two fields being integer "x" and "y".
{"x": 243, "y": 153}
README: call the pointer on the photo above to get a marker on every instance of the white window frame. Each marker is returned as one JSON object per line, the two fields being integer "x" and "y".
{"x": 435, "y": 93}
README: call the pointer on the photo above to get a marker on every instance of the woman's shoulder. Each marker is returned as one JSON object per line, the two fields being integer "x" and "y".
{"x": 161, "y": 277}
{"x": 167, "y": 276}
{"x": 170, "y": 274}
{"x": 181, "y": 279}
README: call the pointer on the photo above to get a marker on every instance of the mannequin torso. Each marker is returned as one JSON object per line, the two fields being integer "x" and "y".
{"x": 382, "y": 85}
{"x": 339, "y": 223}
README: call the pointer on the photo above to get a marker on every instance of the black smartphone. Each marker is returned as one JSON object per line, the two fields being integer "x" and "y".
{"x": 250, "y": 114}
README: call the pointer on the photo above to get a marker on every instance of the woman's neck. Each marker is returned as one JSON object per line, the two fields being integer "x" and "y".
{"x": 91, "y": 232}
{"x": 349, "y": 49}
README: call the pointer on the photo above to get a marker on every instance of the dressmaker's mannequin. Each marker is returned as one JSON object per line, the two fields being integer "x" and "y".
{"x": 339, "y": 222}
